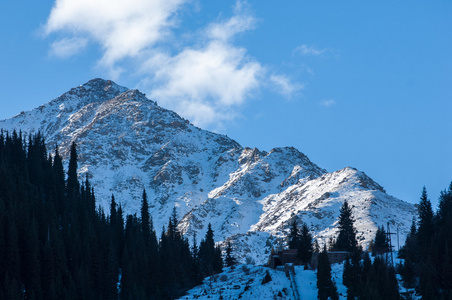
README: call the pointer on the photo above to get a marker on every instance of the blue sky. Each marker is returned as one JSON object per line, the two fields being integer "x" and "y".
{"x": 349, "y": 83}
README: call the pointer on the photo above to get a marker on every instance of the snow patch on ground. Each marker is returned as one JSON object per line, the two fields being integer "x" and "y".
{"x": 245, "y": 282}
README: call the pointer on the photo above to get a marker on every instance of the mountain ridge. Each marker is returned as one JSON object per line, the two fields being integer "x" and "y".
{"x": 127, "y": 142}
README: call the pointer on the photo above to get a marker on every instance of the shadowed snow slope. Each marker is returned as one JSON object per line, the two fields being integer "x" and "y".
{"x": 126, "y": 142}
{"x": 246, "y": 282}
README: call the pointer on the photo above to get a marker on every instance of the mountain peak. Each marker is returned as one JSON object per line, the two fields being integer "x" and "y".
{"x": 95, "y": 90}
{"x": 102, "y": 84}
{"x": 360, "y": 178}
{"x": 126, "y": 142}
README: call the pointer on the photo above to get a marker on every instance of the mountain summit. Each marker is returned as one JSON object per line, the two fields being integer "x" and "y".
{"x": 127, "y": 143}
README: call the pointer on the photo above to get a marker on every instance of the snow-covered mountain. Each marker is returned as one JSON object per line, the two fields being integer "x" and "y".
{"x": 127, "y": 142}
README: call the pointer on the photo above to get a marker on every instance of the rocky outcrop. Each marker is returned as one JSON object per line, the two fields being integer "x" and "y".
{"x": 128, "y": 143}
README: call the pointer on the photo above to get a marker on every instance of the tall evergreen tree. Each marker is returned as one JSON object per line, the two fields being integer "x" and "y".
{"x": 229, "y": 259}
{"x": 444, "y": 215}
{"x": 409, "y": 253}
{"x": 294, "y": 235}
{"x": 218, "y": 260}
{"x": 209, "y": 255}
{"x": 326, "y": 287}
{"x": 113, "y": 215}
{"x": 346, "y": 240}
{"x": 352, "y": 275}
{"x": 380, "y": 245}
{"x": 153, "y": 260}
{"x": 306, "y": 247}
{"x": 58, "y": 172}
{"x": 443, "y": 243}
{"x": 145, "y": 217}
{"x": 426, "y": 226}
{"x": 173, "y": 231}
{"x": 72, "y": 183}
{"x": 196, "y": 269}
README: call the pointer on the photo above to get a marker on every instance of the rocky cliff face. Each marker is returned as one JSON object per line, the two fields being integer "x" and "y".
{"x": 126, "y": 143}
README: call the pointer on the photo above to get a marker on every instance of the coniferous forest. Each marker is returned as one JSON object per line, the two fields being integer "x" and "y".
{"x": 55, "y": 244}
{"x": 427, "y": 251}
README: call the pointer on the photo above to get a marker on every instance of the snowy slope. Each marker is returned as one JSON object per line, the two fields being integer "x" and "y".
{"x": 245, "y": 282}
{"x": 317, "y": 203}
{"x": 126, "y": 142}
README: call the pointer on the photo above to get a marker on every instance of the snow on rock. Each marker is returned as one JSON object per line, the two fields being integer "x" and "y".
{"x": 126, "y": 143}
{"x": 317, "y": 203}
{"x": 245, "y": 282}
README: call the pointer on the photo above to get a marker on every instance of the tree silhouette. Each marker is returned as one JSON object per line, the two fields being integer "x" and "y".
{"x": 326, "y": 287}
{"x": 346, "y": 240}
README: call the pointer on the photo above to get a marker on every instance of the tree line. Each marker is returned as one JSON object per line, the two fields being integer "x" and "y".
{"x": 427, "y": 265}
{"x": 363, "y": 278}
{"x": 55, "y": 243}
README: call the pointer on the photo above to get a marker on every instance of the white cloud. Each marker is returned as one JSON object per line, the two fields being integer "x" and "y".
{"x": 308, "y": 50}
{"x": 67, "y": 47}
{"x": 207, "y": 83}
{"x": 122, "y": 27}
{"x": 226, "y": 30}
{"x": 327, "y": 102}
{"x": 284, "y": 85}
{"x": 206, "y": 80}
{"x": 217, "y": 77}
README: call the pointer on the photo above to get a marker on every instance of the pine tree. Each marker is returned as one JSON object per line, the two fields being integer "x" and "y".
{"x": 352, "y": 276}
{"x": 443, "y": 243}
{"x": 408, "y": 253}
{"x": 380, "y": 245}
{"x": 326, "y": 287}
{"x": 113, "y": 215}
{"x": 366, "y": 268}
{"x": 305, "y": 248}
{"x": 444, "y": 215}
{"x": 145, "y": 217}
{"x": 209, "y": 256}
{"x": 426, "y": 227}
{"x": 391, "y": 285}
{"x": 385, "y": 279}
{"x": 294, "y": 235}
{"x": 89, "y": 199}
{"x": 346, "y": 240}
{"x": 72, "y": 183}
{"x": 229, "y": 259}
{"x": 134, "y": 258}
{"x": 153, "y": 263}
{"x": 195, "y": 268}
{"x": 218, "y": 260}
{"x": 173, "y": 231}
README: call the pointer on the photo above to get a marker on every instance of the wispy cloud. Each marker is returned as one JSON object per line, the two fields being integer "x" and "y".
{"x": 68, "y": 47}
{"x": 224, "y": 31}
{"x": 327, "y": 102}
{"x": 285, "y": 86}
{"x": 309, "y": 50}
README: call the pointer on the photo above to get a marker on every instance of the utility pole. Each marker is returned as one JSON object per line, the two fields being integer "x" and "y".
{"x": 389, "y": 257}
{"x": 398, "y": 245}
